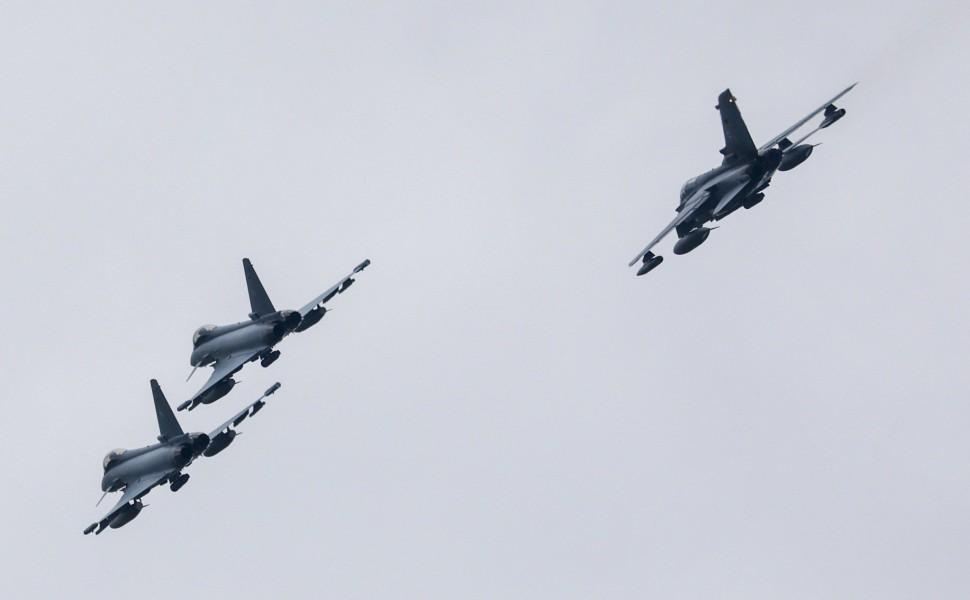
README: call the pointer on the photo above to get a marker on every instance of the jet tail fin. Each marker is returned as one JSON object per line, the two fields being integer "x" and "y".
{"x": 168, "y": 425}
{"x": 738, "y": 144}
{"x": 258, "y": 299}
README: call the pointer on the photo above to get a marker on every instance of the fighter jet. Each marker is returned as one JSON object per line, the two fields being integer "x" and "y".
{"x": 229, "y": 347}
{"x": 136, "y": 472}
{"x": 741, "y": 179}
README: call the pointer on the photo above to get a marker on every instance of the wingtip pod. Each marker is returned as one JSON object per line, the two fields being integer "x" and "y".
{"x": 259, "y": 404}
{"x": 362, "y": 266}
{"x": 90, "y": 528}
{"x": 650, "y": 262}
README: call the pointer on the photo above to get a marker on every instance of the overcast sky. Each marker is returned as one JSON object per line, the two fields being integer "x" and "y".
{"x": 499, "y": 408}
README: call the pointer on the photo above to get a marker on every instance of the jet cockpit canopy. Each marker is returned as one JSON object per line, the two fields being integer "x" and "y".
{"x": 201, "y": 334}
{"x": 688, "y": 188}
{"x": 112, "y": 456}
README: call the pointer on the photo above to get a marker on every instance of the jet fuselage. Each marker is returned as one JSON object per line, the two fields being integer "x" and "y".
{"x": 754, "y": 175}
{"x": 212, "y": 342}
{"x": 127, "y": 466}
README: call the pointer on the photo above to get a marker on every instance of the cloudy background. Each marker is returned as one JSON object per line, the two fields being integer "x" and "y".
{"x": 499, "y": 408}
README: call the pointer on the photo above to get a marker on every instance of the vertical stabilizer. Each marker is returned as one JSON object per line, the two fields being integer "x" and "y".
{"x": 168, "y": 425}
{"x": 738, "y": 144}
{"x": 258, "y": 299}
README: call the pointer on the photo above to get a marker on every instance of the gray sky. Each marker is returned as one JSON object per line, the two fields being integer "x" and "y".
{"x": 499, "y": 408}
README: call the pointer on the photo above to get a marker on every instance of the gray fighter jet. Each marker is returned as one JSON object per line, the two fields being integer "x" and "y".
{"x": 741, "y": 179}
{"x": 229, "y": 347}
{"x": 136, "y": 472}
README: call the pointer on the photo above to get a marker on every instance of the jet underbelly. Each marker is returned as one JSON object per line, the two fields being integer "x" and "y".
{"x": 731, "y": 198}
